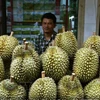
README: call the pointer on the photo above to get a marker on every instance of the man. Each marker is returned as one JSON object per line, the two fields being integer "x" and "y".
{"x": 44, "y": 39}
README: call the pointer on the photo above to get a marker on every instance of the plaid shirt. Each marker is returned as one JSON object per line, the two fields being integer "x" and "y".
{"x": 41, "y": 43}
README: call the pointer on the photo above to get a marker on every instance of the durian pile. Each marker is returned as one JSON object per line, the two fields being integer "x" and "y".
{"x": 68, "y": 72}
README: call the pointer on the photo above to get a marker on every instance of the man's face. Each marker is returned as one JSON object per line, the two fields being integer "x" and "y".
{"x": 48, "y": 25}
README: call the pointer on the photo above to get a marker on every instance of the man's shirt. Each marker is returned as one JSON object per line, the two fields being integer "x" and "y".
{"x": 41, "y": 43}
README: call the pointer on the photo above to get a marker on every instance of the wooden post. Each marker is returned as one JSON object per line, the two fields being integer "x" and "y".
{"x": 81, "y": 16}
{"x": 98, "y": 18}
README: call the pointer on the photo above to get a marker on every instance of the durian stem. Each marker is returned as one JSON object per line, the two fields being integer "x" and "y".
{"x": 11, "y": 33}
{"x": 73, "y": 76}
{"x": 43, "y": 74}
{"x": 12, "y": 78}
{"x": 26, "y": 45}
{"x": 63, "y": 28}
{"x": 24, "y": 40}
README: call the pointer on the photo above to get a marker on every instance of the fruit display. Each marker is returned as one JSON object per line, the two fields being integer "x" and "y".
{"x": 70, "y": 88}
{"x": 92, "y": 90}
{"x": 10, "y": 90}
{"x": 43, "y": 88}
{"x": 25, "y": 66}
{"x": 86, "y": 64}
{"x": 55, "y": 62}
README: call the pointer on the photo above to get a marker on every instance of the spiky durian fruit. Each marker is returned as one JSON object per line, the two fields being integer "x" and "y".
{"x": 92, "y": 90}
{"x": 2, "y": 70}
{"x": 25, "y": 65}
{"x": 9, "y": 90}
{"x": 20, "y": 51}
{"x": 70, "y": 88}
{"x": 67, "y": 42}
{"x": 7, "y": 44}
{"x": 86, "y": 64}
{"x": 55, "y": 62}
{"x": 43, "y": 89}
{"x": 94, "y": 42}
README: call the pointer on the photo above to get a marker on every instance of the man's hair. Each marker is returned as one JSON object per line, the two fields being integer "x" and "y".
{"x": 49, "y": 16}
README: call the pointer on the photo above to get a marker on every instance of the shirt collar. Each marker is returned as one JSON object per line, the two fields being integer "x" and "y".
{"x": 52, "y": 36}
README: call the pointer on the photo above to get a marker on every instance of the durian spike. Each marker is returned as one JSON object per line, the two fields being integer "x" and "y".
{"x": 26, "y": 45}
{"x": 73, "y": 76}
{"x": 11, "y": 33}
{"x": 24, "y": 40}
{"x": 43, "y": 74}
{"x": 63, "y": 29}
{"x": 12, "y": 78}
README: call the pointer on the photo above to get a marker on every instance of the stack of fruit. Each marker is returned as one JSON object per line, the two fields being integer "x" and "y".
{"x": 61, "y": 79}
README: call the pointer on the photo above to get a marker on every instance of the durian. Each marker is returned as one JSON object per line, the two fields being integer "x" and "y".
{"x": 25, "y": 65}
{"x": 10, "y": 90}
{"x": 55, "y": 62}
{"x": 67, "y": 42}
{"x": 20, "y": 51}
{"x": 94, "y": 42}
{"x": 43, "y": 89}
{"x": 86, "y": 64}
{"x": 7, "y": 44}
{"x": 70, "y": 88}
{"x": 92, "y": 90}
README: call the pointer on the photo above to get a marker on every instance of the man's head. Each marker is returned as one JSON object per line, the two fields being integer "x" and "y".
{"x": 48, "y": 22}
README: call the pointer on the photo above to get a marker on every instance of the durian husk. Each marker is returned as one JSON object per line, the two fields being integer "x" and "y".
{"x": 67, "y": 41}
{"x": 93, "y": 42}
{"x": 25, "y": 65}
{"x": 92, "y": 90}
{"x": 55, "y": 62}
{"x": 11, "y": 91}
{"x": 7, "y": 44}
{"x": 86, "y": 64}
{"x": 43, "y": 89}
{"x": 70, "y": 89}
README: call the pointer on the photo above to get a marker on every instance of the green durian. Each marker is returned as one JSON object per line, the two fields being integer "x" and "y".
{"x": 43, "y": 89}
{"x": 7, "y": 45}
{"x": 10, "y": 90}
{"x": 93, "y": 42}
{"x": 92, "y": 90}
{"x": 70, "y": 88}
{"x": 68, "y": 42}
{"x": 55, "y": 62}
{"x": 86, "y": 64}
{"x": 25, "y": 65}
